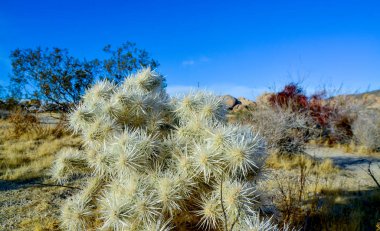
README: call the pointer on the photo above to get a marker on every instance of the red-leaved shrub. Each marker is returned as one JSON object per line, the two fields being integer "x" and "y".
{"x": 332, "y": 119}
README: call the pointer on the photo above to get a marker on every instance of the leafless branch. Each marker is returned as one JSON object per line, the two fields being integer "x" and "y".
{"x": 370, "y": 173}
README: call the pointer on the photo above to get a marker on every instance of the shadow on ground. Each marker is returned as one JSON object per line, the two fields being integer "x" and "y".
{"x": 347, "y": 161}
{"x": 344, "y": 211}
{"x": 6, "y": 185}
{"x": 343, "y": 160}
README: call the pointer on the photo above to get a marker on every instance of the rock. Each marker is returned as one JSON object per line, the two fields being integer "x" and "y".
{"x": 239, "y": 107}
{"x": 263, "y": 99}
{"x": 230, "y": 101}
{"x": 246, "y": 102}
{"x": 238, "y": 104}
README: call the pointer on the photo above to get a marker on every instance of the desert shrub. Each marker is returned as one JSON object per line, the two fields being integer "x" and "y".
{"x": 288, "y": 119}
{"x": 28, "y": 155}
{"x": 330, "y": 119}
{"x": 9, "y": 104}
{"x": 295, "y": 186}
{"x": 160, "y": 163}
{"x": 307, "y": 196}
{"x": 342, "y": 114}
{"x": 291, "y": 96}
{"x": 285, "y": 131}
{"x": 23, "y": 122}
{"x": 366, "y": 129}
{"x": 240, "y": 116}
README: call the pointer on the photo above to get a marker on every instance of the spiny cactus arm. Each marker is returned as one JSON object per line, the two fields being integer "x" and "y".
{"x": 80, "y": 117}
{"x": 207, "y": 162}
{"x": 147, "y": 143}
{"x": 159, "y": 225}
{"x": 210, "y": 212}
{"x": 171, "y": 190}
{"x": 181, "y": 162}
{"x": 202, "y": 104}
{"x": 100, "y": 161}
{"x": 128, "y": 185}
{"x": 129, "y": 159}
{"x": 76, "y": 214}
{"x": 185, "y": 106}
{"x": 114, "y": 211}
{"x": 149, "y": 80}
{"x": 196, "y": 129}
{"x": 220, "y": 136}
{"x": 240, "y": 200}
{"x": 98, "y": 131}
{"x": 211, "y": 106}
{"x": 109, "y": 108}
{"x": 244, "y": 155}
{"x": 255, "y": 223}
{"x": 91, "y": 189}
{"x": 146, "y": 207}
{"x": 69, "y": 163}
{"x": 237, "y": 200}
{"x": 102, "y": 90}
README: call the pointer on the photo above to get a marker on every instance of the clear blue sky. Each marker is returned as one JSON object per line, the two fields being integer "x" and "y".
{"x": 236, "y": 47}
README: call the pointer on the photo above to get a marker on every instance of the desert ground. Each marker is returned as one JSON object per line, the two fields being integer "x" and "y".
{"x": 30, "y": 200}
{"x": 328, "y": 185}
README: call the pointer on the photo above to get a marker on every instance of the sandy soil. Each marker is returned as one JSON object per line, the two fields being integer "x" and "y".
{"x": 354, "y": 166}
{"x": 30, "y": 206}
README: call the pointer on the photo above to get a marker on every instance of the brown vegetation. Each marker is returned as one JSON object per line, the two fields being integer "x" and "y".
{"x": 28, "y": 200}
{"x": 308, "y": 194}
{"x": 28, "y": 148}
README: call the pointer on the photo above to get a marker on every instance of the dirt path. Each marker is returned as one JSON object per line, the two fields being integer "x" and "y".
{"x": 343, "y": 159}
{"x": 31, "y": 205}
{"x": 354, "y": 165}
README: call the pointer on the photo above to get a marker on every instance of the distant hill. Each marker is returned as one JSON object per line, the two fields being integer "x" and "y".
{"x": 368, "y": 93}
{"x": 371, "y": 98}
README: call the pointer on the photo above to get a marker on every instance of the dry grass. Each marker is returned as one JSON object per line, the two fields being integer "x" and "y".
{"x": 308, "y": 193}
{"x": 292, "y": 162}
{"x": 346, "y": 210}
{"x": 27, "y": 207}
{"x": 356, "y": 148}
{"x": 315, "y": 195}
{"x": 348, "y": 148}
{"x": 27, "y": 155}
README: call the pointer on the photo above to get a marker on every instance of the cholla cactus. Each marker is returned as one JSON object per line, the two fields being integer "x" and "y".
{"x": 160, "y": 163}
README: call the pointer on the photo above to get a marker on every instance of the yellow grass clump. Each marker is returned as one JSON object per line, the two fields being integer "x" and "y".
{"x": 27, "y": 155}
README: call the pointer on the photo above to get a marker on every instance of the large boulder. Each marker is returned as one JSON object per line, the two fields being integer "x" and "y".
{"x": 230, "y": 101}
{"x": 244, "y": 104}
{"x": 264, "y": 99}
{"x": 247, "y": 102}
{"x": 239, "y": 107}
{"x": 238, "y": 104}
